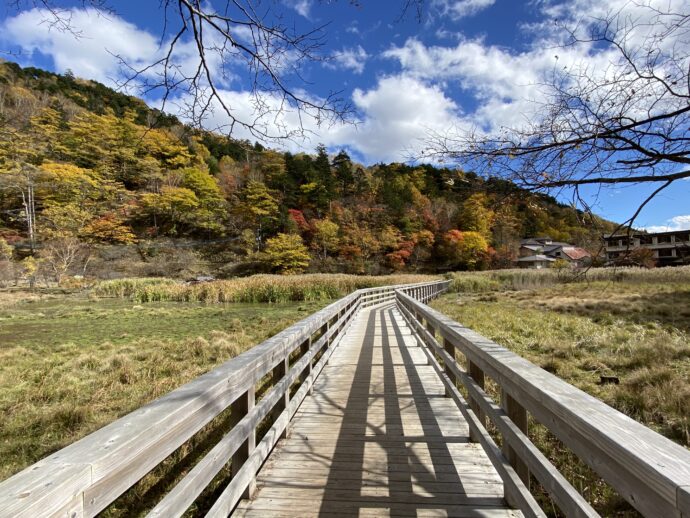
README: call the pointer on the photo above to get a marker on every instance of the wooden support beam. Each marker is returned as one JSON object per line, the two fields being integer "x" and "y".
{"x": 240, "y": 408}
{"x": 450, "y": 349}
{"x": 477, "y": 375}
{"x": 517, "y": 413}
{"x": 304, "y": 349}
{"x": 279, "y": 371}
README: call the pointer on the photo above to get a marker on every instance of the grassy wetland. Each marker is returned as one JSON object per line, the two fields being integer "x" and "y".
{"x": 631, "y": 324}
{"x": 73, "y": 362}
{"x": 70, "y": 364}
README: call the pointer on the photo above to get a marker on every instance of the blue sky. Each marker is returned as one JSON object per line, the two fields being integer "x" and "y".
{"x": 467, "y": 61}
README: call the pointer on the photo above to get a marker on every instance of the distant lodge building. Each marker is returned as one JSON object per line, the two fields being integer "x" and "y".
{"x": 669, "y": 248}
{"x": 542, "y": 252}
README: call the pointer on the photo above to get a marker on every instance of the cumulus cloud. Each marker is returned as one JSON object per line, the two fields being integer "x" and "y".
{"x": 353, "y": 59}
{"x": 505, "y": 83}
{"x": 673, "y": 224}
{"x": 93, "y": 53}
{"x": 395, "y": 113}
{"x": 458, "y": 9}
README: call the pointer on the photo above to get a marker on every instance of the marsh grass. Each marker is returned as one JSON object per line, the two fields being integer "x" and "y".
{"x": 528, "y": 279}
{"x": 254, "y": 289}
{"x": 634, "y": 329}
{"x": 127, "y": 287}
{"x": 70, "y": 366}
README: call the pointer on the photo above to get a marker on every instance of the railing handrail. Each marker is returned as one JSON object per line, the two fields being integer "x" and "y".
{"x": 89, "y": 474}
{"x": 647, "y": 469}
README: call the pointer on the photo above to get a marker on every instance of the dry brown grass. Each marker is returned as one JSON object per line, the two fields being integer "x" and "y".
{"x": 69, "y": 366}
{"x": 637, "y": 331}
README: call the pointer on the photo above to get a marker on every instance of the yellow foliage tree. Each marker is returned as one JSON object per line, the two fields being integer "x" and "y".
{"x": 325, "y": 236}
{"x": 287, "y": 254}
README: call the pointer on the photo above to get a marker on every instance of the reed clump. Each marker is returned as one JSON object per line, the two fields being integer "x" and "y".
{"x": 123, "y": 288}
{"x": 254, "y": 289}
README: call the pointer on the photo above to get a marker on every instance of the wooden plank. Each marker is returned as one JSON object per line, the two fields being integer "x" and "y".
{"x": 276, "y": 506}
{"x": 563, "y": 493}
{"x": 41, "y": 496}
{"x": 347, "y": 443}
{"x": 644, "y": 467}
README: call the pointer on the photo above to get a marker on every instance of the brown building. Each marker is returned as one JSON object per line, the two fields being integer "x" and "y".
{"x": 669, "y": 248}
{"x": 541, "y": 252}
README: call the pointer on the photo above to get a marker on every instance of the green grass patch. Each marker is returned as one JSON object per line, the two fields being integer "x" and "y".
{"x": 70, "y": 365}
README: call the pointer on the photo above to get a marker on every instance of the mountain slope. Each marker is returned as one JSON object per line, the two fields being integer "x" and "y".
{"x": 81, "y": 163}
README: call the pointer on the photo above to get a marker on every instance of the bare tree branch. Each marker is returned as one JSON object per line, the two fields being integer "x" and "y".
{"x": 624, "y": 124}
{"x": 206, "y": 47}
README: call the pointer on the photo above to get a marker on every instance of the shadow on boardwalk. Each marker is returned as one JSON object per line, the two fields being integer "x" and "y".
{"x": 378, "y": 438}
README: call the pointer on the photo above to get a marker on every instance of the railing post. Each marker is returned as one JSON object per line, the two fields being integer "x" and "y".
{"x": 478, "y": 376}
{"x": 279, "y": 371}
{"x": 432, "y": 332}
{"x": 517, "y": 413}
{"x": 327, "y": 343}
{"x": 239, "y": 409}
{"x": 304, "y": 349}
{"x": 450, "y": 349}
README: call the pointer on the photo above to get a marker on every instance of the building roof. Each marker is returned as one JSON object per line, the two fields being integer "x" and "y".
{"x": 536, "y": 258}
{"x": 637, "y": 233}
{"x": 532, "y": 247}
{"x": 575, "y": 253}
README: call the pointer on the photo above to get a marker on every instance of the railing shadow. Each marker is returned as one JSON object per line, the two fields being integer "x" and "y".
{"x": 417, "y": 470}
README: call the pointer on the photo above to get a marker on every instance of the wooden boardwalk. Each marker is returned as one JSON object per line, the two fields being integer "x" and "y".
{"x": 378, "y": 438}
{"x": 376, "y": 426}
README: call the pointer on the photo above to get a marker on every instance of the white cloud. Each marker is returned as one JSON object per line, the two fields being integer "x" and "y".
{"x": 673, "y": 224}
{"x": 303, "y": 7}
{"x": 458, "y": 9}
{"x": 395, "y": 113}
{"x": 506, "y": 84}
{"x": 92, "y": 54}
{"x": 350, "y": 59}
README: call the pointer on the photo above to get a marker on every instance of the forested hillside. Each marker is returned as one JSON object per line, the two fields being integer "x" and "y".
{"x": 95, "y": 182}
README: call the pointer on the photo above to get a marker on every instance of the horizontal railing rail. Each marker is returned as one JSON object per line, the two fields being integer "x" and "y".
{"x": 87, "y": 476}
{"x": 650, "y": 471}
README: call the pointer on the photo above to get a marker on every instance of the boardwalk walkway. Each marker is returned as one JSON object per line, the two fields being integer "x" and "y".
{"x": 378, "y": 438}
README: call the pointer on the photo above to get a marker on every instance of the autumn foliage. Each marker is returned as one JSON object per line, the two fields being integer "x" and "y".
{"x": 83, "y": 171}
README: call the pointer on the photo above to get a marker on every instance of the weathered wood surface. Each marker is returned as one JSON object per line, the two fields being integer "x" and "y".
{"x": 378, "y": 437}
{"x": 86, "y": 476}
{"x": 648, "y": 470}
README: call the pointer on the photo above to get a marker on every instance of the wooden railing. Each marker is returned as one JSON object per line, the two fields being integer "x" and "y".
{"x": 651, "y": 472}
{"x": 87, "y": 476}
